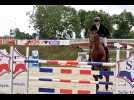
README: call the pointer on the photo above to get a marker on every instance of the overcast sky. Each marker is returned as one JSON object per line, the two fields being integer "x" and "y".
{"x": 12, "y": 16}
{"x": 111, "y": 9}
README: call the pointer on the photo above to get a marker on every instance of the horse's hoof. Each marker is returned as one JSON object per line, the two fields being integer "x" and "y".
{"x": 97, "y": 87}
{"x": 101, "y": 77}
{"x": 95, "y": 77}
{"x": 92, "y": 68}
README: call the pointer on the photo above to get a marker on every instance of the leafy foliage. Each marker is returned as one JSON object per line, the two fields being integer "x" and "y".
{"x": 51, "y": 18}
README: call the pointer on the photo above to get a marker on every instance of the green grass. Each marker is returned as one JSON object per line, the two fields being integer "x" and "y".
{"x": 113, "y": 55}
{"x": 51, "y": 52}
{"x": 59, "y": 52}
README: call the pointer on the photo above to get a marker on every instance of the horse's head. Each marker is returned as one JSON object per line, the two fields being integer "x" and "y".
{"x": 93, "y": 36}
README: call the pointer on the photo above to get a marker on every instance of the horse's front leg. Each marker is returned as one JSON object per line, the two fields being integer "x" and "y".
{"x": 96, "y": 79}
{"x": 107, "y": 80}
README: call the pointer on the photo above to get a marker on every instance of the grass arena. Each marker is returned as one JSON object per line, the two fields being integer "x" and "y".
{"x": 68, "y": 77}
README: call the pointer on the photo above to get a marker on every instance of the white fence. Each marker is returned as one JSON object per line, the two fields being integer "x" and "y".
{"x": 77, "y": 41}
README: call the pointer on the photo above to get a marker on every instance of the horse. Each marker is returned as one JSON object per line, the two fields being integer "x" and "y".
{"x": 98, "y": 53}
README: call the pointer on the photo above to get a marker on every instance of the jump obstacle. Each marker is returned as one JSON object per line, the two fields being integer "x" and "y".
{"x": 85, "y": 69}
{"x": 65, "y": 73}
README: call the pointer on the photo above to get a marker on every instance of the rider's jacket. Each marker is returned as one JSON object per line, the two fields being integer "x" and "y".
{"x": 103, "y": 31}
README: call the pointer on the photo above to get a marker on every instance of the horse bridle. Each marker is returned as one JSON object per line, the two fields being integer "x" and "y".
{"x": 93, "y": 40}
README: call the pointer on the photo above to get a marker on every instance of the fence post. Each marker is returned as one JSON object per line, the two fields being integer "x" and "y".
{"x": 128, "y": 50}
{"x": 118, "y": 46}
{"x": 27, "y": 65}
{"x": 11, "y": 45}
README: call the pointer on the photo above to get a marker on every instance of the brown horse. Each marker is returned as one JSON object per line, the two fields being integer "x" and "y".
{"x": 98, "y": 53}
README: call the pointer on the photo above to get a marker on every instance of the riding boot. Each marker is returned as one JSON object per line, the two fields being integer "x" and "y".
{"x": 89, "y": 59}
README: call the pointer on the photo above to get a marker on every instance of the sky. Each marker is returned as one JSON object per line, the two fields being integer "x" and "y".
{"x": 111, "y": 9}
{"x": 12, "y": 16}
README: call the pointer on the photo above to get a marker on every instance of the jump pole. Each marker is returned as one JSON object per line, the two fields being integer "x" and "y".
{"x": 11, "y": 43}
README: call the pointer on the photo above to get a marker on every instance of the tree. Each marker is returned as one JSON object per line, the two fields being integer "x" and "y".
{"x": 82, "y": 15}
{"x": 22, "y": 35}
{"x": 16, "y": 30}
{"x": 49, "y": 19}
{"x": 124, "y": 22}
{"x": 34, "y": 35}
{"x": 54, "y": 17}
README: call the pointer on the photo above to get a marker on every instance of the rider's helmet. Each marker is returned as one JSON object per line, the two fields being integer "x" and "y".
{"x": 97, "y": 19}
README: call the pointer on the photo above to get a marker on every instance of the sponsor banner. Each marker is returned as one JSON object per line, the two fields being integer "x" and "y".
{"x": 20, "y": 86}
{"x": 52, "y": 42}
{"x": 64, "y": 42}
{"x": 129, "y": 91}
{"x": 124, "y": 87}
{"x": 5, "y": 79}
{"x": 5, "y": 86}
{"x": 43, "y": 42}
{"x": 126, "y": 75}
{"x": 19, "y": 74}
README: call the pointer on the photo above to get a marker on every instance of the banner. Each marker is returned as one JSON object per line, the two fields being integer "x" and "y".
{"x": 43, "y": 42}
{"x": 126, "y": 76}
{"x": 19, "y": 74}
{"x": 5, "y": 79}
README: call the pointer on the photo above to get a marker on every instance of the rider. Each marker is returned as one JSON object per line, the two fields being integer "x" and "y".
{"x": 102, "y": 31}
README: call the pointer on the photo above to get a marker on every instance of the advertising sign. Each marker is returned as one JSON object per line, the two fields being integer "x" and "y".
{"x": 126, "y": 73}
{"x": 5, "y": 79}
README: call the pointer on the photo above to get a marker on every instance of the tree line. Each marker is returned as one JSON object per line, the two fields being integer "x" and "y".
{"x": 47, "y": 19}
